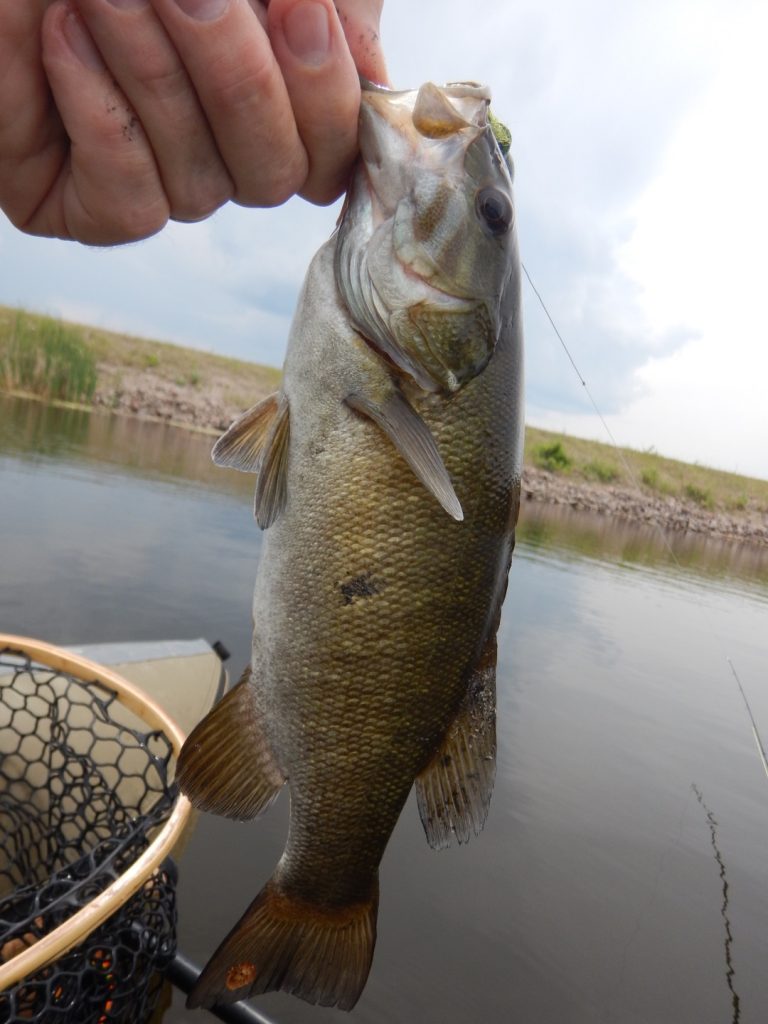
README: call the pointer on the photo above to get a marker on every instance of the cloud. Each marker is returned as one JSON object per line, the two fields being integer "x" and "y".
{"x": 641, "y": 213}
{"x": 697, "y": 257}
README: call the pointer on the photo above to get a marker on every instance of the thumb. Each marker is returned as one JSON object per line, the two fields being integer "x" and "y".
{"x": 360, "y": 21}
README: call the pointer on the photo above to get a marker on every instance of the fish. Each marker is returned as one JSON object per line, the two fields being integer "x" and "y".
{"x": 388, "y": 487}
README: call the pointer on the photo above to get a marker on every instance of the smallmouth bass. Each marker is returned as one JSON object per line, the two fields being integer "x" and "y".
{"x": 388, "y": 484}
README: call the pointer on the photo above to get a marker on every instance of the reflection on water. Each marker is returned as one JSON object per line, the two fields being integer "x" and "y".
{"x": 591, "y": 894}
{"x": 39, "y": 431}
{"x": 729, "y": 968}
{"x": 612, "y": 540}
{"x": 35, "y": 430}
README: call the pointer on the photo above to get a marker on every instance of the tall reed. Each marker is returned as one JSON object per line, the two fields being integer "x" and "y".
{"x": 43, "y": 356}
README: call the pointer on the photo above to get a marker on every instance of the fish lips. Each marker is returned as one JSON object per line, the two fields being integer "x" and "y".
{"x": 394, "y": 127}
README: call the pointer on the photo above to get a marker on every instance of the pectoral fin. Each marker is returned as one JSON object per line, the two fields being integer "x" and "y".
{"x": 270, "y": 496}
{"x": 226, "y": 765}
{"x": 454, "y": 790}
{"x": 257, "y": 442}
{"x": 242, "y": 446}
{"x": 411, "y": 436}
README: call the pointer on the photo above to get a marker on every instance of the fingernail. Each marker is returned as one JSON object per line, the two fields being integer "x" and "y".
{"x": 129, "y": 5}
{"x": 308, "y": 33}
{"x": 80, "y": 42}
{"x": 203, "y": 10}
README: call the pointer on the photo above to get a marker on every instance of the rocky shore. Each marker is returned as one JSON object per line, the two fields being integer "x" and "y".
{"x": 212, "y": 409}
{"x": 635, "y": 504}
{"x": 143, "y": 393}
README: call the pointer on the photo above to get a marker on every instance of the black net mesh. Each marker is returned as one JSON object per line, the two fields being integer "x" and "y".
{"x": 83, "y": 789}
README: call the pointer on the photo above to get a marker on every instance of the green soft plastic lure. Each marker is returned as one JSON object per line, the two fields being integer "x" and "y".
{"x": 501, "y": 133}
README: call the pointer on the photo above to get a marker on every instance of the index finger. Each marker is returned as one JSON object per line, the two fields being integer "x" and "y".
{"x": 33, "y": 143}
{"x": 229, "y": 59}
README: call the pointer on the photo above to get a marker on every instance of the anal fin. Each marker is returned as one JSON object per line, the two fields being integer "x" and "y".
{"x": 225, "y": 765}
{"x": 454, "y": 790}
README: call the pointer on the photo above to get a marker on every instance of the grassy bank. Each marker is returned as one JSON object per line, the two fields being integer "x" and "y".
{"x": 192, "y": 387}
{"x": 46, "y": 358}
{"x": 592, "y": 462}
{"x": 119, "y": 360}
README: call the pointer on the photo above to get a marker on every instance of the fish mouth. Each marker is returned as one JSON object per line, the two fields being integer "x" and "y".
{"x": 451, "y": 90}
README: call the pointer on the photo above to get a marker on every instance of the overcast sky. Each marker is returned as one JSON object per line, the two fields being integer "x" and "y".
{"x": 641, "y": 159}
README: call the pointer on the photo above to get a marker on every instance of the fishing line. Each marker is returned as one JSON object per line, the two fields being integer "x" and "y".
{"x": 622, "y": 457}
{"x": 633, "y": 479}
{"x": 755, "y": 733}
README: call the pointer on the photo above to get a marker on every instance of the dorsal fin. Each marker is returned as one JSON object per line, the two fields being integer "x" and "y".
{"x": 411, "y": 436}
{"x": 242, "y": 445}
{"x": 270, "y": 496}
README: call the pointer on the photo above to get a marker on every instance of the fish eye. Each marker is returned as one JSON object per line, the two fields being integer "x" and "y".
{"x": 494, "y": 207}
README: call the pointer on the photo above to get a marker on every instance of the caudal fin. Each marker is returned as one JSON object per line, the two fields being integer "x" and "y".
{"x": 321, "y": 954}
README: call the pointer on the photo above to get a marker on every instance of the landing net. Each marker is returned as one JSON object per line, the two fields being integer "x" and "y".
{"x": 88, "y": 815}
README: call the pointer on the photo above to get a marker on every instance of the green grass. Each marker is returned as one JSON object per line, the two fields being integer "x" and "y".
{"x": 47, "y": 358}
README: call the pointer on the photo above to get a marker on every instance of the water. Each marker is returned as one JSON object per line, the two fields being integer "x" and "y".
{"x": 597, "y": 891}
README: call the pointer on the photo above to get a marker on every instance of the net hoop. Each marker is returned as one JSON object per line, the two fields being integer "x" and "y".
{"x": 76, "y": 928}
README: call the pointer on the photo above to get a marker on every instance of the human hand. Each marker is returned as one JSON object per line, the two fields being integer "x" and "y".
{"x": 116, "y": 115}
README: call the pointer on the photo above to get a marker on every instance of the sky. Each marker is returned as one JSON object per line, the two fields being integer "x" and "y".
{"x": 641, "y": 178}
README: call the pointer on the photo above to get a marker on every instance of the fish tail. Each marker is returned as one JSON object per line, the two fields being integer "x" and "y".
{"x": 317, "y": 952}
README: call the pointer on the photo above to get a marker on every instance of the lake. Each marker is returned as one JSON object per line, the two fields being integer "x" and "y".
{"x": 622, "y": 875}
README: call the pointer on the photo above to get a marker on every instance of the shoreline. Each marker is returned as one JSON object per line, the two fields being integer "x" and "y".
{"x": 634, "y": 505}
{"x": 148, "y": 398}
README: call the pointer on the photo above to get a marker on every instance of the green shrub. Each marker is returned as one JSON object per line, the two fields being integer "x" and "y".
{"x": 650, "y": 477}
{"x": 552, "y": 457}
{"x": 655, "y": 482}
{"x": 602, "y": 471}
{"x": 48, "y": 359}
{"x": 698, "y": 494}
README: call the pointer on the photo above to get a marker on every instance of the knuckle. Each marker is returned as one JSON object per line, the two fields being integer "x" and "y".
{"x": 164, "y": 82}
{"x": 323, "y": 191}
{"x": 192, "y": 206}
{"x": 239, "y": 86}
{"x": 274, "y": 182}
{"x": 119, "y": 224}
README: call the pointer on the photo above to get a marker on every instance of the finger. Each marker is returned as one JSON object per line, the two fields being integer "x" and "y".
{"x": 323, "y": 85}
{"x": 360, "y": 21}
{"x": 144, "y": 61}
{"x": 229, "y": 58}
{"x": 33, "y": 143}
{"x": 109, "y": 190}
